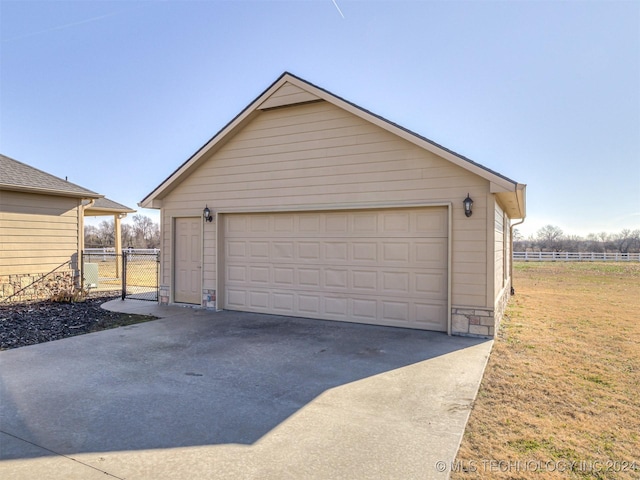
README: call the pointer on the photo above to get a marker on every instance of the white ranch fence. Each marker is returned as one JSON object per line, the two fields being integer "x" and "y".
{"x": 109, "y": 252}
{"x": 517, "y": 256}
{"x": 575, "y": 257}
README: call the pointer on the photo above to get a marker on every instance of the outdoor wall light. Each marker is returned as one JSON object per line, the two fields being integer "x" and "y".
{"x": 468, "y": 203}
{"x": 206, "y": 213}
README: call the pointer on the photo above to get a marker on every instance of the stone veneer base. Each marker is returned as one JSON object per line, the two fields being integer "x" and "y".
{"x": 45, "y": 286}
{"x": 479, "y": 322}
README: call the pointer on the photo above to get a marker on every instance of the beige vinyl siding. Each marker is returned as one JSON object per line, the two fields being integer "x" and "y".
{"x": 507, "y": 248}
{"x": 316, "y": 155}
{"x": 37, "y": 232}
{"x": 499, "y": 250}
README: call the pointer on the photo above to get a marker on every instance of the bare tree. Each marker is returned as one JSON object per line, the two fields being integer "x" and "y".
{"x": 128, "y": 237}
{"x": 91, "y": 238}
{"x": 106, "y": 233}
{"x": 625, "y": 240}
{"x": 549, "y": 237}
{"x": 144, "y": 233}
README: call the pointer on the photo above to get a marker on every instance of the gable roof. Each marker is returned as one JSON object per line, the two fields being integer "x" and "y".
{"x": 18, "y": 176}
{"x": 289, "y": 89}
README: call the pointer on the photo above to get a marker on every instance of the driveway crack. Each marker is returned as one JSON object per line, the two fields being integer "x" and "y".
{"x": 61, "y": 455}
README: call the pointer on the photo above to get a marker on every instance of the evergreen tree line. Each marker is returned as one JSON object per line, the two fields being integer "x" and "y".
{"x": 144, "y": 233}
{"x": 552, "y": 239}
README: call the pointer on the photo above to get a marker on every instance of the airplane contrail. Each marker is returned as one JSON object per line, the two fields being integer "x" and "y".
{"x": 67, "y": 25}
{"x": 338, "y": 8}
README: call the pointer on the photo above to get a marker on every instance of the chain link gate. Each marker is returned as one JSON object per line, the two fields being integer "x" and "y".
{"x": 140, "y": 274}
{"x": 133, "y": 273}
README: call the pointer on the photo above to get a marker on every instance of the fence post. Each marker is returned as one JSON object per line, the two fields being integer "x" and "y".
{"x": 124, "y": 276}
{"x": 82, "y": 270}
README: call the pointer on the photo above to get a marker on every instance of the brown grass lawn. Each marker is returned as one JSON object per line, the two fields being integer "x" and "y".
{"x": 139, "y": 273}
{"x": 560, "y": 396}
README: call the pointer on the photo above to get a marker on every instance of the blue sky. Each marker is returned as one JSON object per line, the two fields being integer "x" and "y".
{"x": 115, "y": 95}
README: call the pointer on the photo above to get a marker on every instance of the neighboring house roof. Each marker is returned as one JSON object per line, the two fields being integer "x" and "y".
{"x": 289, "y": 89}
{"x": 105, "y": 206}
{"x": 18, "y": 176}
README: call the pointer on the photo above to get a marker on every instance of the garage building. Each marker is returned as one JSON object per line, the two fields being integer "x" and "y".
{"x": 308, "y": 205}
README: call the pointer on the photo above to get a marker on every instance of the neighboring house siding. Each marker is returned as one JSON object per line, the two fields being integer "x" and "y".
{"x": 38, "y": 233}
{"x": 317, "y": 155}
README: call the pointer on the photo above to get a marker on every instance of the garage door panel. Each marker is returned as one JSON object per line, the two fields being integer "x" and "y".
{"x": 282, "y": 251}
{"x": 309, "y": 305}
{"x": 395, "y": 311}
{"x": 335, "y": 251}
{"x": 431, "y": 284}
{"x": 258, "y": 224}
{"x": 283, "y": 223}
{"x": 431, "y": 223}
{"x": 308, "y": 251}
{"x": 309, "y": 223}
{"x": 432, "y": 254}
{"x": 364, "y": 252}
{"x": 335, "y": 279}
{"x": 429, "y": 315}
{"x": 396, "y": 282}
{"x": 283, "y": 303}
{"x": 364, "y": 281}
{"x": 236, "y": 298}
{"x": 383, "y": 267}
{"x": 336, "y": 223}
{"x": 236, "y": 224}
{"x": 395, "y": 252}
{"x": 258, "y": 250}
{"x": 236, "y": 249}
{"x": 259, "y": 275}
{"x": 237, "y": 273}
{"x": 336, "y": 307}
{"x": 365, "y": 310}
{"x": 309, "y": 277}
{"x": 259, "y": 299}
{"x": 283, "y": 276}
{"x": 365, "y": 223}
{"x": 398, "y": 222}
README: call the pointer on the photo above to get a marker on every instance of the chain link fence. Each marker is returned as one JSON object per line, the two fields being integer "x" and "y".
{"x": 134, "y": 274}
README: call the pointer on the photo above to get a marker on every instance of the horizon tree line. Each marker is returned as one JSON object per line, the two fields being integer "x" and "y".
{"x": 551, "y": 238}
{"x": 143, "y": 233}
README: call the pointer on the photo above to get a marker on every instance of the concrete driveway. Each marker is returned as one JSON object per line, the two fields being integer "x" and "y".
{"x": 240, "y": 396}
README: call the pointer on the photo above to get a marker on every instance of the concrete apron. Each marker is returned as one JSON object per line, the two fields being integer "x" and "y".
{"x": 239, "y": 396}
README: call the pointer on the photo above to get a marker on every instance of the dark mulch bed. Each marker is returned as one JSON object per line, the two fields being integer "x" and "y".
{"x": 24, "y": 324}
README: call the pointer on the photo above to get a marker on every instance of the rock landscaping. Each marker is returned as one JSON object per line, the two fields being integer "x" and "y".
{"x": 29, "y": 323}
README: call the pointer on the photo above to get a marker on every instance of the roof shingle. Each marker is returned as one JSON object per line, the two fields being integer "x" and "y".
{"x": 15, "y": 175}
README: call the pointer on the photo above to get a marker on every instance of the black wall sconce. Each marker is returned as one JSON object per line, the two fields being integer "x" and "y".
{"x": 468, "y": 203}
{"x": 206, "y": 213}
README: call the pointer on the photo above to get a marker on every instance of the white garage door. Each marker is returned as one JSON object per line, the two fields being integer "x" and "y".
{"x": 385, "y": 267}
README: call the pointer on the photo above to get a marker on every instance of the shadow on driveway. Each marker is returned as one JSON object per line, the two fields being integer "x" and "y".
{"x": 202, "y": 379}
